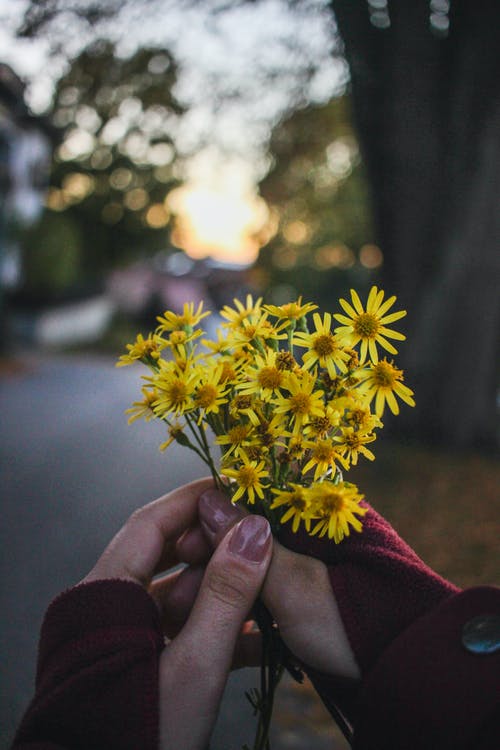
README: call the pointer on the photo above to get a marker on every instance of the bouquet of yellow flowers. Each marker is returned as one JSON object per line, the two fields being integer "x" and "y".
{"x": 290, "y": 402}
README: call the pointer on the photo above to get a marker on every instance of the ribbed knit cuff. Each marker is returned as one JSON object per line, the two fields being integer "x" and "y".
{"x": 380, "y": 584}
{"x": 108, "y": 605}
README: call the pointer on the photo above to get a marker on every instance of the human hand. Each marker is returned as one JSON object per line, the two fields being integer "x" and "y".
{"x": 203, "y": 609}
{"x": 297, "y": 591}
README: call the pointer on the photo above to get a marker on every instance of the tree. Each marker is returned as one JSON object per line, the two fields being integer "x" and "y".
{"x": 114, "y": 166}
{"x": 425, "y": 83}
{"x": 318, "y": 193}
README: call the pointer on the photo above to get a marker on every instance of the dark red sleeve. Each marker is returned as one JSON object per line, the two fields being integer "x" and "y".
{"x": 97, "y": 674}
{"x": 428, "y": 691}
{"x": 394, "y": 606}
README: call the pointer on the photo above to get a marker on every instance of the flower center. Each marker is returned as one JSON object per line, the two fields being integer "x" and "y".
{"x": 177, "y": 337}
{"x": 297, "y": 501}
{"x": 321, "y": 425}
{"x": 324, "y": 345}
{"x": 385, "y": 375}
{"x": 228, "y": 372}
{"x": 270, "y": 377}
{"x": 285, "y": 361}
{"x": 366, "y": 325}
{"x": 300, "y": 403}
{"x": 238, "y": 434}
{"x": 250, "y": 331}
{"x": 177, "y": 392}
{"x": 323, "y": 452}
{"x": 206, "y": 396}
{"x": 247, "y": 476}
{"x": 352, "y": 440}
{"x": 241, "y": 402}
{"x": 333, "y": 503}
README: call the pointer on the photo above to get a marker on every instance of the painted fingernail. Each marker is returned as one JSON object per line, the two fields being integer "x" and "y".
{"x": 251, "y": 539}
{"x": 216, "y": 510}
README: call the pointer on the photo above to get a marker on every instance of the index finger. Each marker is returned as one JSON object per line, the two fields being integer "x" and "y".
{"x": 136, "y": 551}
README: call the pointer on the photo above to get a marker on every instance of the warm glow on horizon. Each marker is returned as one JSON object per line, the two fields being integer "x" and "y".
{"x": 224, "y": 225}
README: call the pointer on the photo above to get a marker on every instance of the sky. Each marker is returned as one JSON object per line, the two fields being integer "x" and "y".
{"x": 219, "y": 55}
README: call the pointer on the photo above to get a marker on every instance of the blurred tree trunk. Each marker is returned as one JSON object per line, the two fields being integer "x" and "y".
{"x": 428, "y": 117}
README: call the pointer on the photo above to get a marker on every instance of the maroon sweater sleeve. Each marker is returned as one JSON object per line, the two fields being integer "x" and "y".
{"x": 97, "y": 674}
{"x": 394, "y": 606}
{"x": 428, "y": 691}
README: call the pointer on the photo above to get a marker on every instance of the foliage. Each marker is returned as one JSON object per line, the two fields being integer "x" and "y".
{"x": 114, "y": 165}
{"x": 318, "y": 191}
{"x": 52, "y": 257}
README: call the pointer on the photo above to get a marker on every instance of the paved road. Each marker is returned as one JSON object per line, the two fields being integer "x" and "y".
{"x": 71, "y": 471}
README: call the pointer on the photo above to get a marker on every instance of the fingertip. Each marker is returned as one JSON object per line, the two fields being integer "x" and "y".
{"x": 250, "y": 539}
{"x": 217, "y": 514}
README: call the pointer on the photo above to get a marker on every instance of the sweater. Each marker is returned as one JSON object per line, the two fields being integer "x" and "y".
{"x": 421, "y": 688}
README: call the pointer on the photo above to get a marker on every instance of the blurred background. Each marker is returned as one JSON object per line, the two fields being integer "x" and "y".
{"x": 162, "y": 151}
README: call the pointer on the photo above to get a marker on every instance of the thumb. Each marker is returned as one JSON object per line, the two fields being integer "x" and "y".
{"x": 195, "y": 665}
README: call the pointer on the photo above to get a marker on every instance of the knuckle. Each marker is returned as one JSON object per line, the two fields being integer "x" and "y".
{"x": 136, "y": 517}
{"x": 229, "y": 589}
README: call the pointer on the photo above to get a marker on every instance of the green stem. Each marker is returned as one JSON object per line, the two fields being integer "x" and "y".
{"x": 209, "y": 459}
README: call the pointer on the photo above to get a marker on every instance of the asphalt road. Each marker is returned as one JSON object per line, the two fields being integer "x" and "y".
{"x": 71, "y": 471}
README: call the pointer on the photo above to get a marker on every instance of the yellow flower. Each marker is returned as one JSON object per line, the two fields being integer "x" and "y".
{"x": 359, "y": 416}
{"x": 255, "y": 333}
{"x": 323, "y": 424}
{"x": 248, "y": 478}
{"x": 336, "y": 506}
{"x": 176, "y": 389}
{"x": 178, "y": 341}
{"x": 146, "y": 350}
{"x": 220, "y": 345}
{"x": 269, "y": 432}
{"x": 175, "y": 432}
{"x": 286, "y": 361}
{"x": 264, "y": 377}
{"x": 246, "y": 405}
{"x": 382, "y": 381}
{"x": 189, "y": 318}
{"x": 351, "y": 443}
{"x": 322, "y": 346}
{"x": 291, "y": 310}
{"x": 298, "y": 505}
{"x": 303, "y": 402}
{"x": 322, "y": 457}
{"x": 369, "y": 326}
{"x": 210, "y": 391}
{"x": 235, "y": 317}
{"x": 238, "y": 437}
{"x": 294, "y": 448}
{"x": 144, "y": 408}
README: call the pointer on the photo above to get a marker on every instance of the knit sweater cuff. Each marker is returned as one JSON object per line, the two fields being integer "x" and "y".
{"x": 90, "y": 610}
{"x": 380, "y": 584}
{"x": 97, "y": 676}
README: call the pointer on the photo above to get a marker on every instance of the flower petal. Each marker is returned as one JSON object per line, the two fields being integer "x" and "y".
{"x": 392, "y": 317}
{"x": 392, "y": 334}
{"x": 348, "y": 309}
{"x": 386, "y": 305}
{"x": 357, "y": 302}
{"x": 389, "y": 347}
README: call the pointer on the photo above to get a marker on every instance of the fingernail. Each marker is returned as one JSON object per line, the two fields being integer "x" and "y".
{"x": 250, "y": 539}
{"x": 216, "y": 511}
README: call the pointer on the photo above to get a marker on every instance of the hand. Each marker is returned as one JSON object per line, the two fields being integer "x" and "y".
{"x": 203, "y": 609}
{"x": 297, "y": 591}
